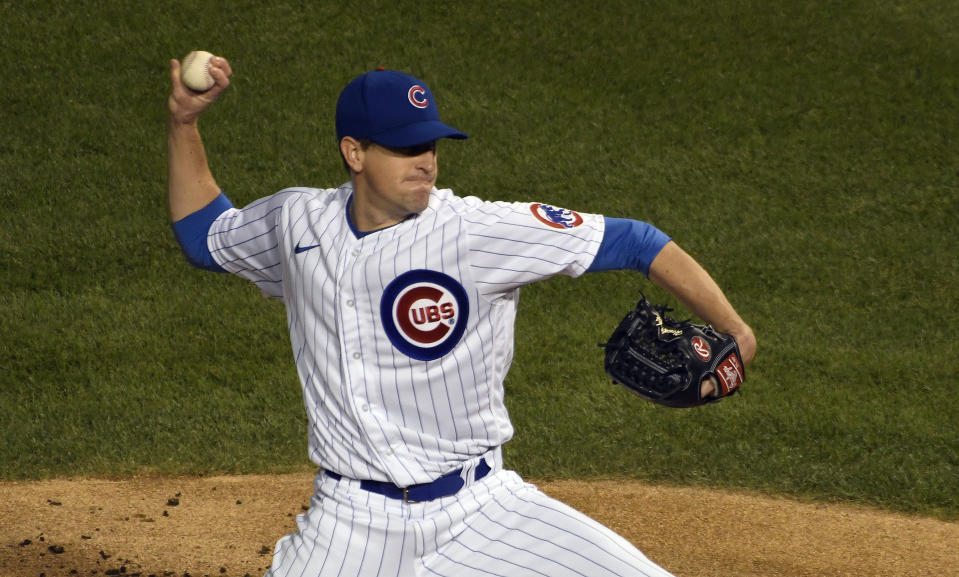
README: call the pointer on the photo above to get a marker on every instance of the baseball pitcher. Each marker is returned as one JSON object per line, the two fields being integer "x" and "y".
{"x": 400, "y": 300}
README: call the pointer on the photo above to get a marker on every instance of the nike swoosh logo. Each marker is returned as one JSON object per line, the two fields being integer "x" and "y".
{"x": 298, "y": 249}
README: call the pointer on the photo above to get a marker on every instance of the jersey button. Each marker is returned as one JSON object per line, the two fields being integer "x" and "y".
{"x": 350, "y": 303}
{"x": 357, "y": 356}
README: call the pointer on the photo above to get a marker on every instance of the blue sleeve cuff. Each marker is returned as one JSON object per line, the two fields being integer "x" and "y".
{"x": 191, "y": 232}
{"x": 628, "y": 244}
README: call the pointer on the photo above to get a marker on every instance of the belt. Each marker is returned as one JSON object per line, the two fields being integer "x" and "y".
{"x": 448, "y": 484}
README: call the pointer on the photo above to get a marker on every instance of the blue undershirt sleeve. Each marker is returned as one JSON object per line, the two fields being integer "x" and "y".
{"x": 628, "y": 244}
{"x": 191, "y": 232}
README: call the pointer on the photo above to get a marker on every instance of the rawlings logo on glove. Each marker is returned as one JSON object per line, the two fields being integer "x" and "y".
{"x": 666, "y": 361}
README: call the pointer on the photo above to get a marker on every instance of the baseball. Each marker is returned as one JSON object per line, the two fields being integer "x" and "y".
{"x": 195, "y": 71}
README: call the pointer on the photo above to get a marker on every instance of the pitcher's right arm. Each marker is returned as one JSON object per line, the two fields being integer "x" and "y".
{"x": 190, "y": 183}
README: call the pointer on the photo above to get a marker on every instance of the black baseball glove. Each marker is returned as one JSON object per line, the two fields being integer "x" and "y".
{"x": 665, "y": 361}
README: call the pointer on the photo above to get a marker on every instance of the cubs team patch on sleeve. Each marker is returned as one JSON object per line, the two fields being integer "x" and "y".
{"x": 555, "y": 217}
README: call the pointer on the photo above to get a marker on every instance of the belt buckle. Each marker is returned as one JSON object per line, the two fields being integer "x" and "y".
{"x": 406, "y": 496}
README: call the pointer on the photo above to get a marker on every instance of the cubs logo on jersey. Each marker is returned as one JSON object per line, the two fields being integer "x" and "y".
{"x": 555, "y": 217}
{"x": 424, "y": 313}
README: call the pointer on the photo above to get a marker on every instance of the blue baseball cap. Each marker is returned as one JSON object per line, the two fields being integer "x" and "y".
{"x": 392, "y": 109}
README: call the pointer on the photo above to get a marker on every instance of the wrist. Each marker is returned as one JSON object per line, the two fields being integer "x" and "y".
{"x": 746, "y": 340}
{"x": 176, "y": 123}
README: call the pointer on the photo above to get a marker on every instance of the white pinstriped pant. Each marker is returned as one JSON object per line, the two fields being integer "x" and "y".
{"x": 498, "y": 526}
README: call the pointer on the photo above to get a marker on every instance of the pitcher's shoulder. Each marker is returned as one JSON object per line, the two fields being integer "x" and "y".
{"x": 445, "y": 199}
{"x": 315, "y": 197}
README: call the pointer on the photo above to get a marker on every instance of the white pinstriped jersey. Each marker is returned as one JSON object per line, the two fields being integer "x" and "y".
{"x": 402, "y": 337}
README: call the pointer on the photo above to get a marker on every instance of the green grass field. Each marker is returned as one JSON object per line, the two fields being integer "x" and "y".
{"x": 804, "y": 152}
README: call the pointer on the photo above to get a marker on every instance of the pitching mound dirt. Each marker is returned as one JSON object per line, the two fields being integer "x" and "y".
{"x": 226, "y": 526}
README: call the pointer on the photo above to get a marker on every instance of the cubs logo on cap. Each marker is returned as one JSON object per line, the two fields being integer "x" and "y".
{"x": 424, "y": 313}
{"x": 555, "y": 217}
{"x": 392, "y": 109}
{"x": 417, "y": 96}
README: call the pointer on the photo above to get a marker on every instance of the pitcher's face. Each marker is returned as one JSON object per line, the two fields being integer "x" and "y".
{"x": 393, "y": 183}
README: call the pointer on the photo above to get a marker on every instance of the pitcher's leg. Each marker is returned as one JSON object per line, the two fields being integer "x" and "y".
{"x": 347, "y": 532}
{"x": 513, "y": 529}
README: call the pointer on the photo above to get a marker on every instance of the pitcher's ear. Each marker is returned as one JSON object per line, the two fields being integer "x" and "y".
{"x": 352, "y": 151}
